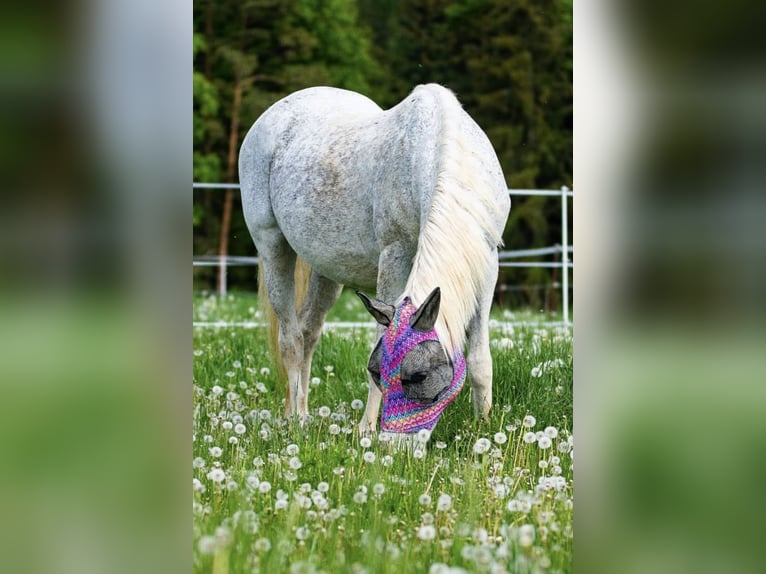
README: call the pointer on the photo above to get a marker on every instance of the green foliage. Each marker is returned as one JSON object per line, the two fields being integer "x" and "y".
{"x": 509, "y": 61}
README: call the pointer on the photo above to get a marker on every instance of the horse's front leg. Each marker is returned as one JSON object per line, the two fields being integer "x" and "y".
{"x": 393, "y": 269}
{"x": 479, "y": 359}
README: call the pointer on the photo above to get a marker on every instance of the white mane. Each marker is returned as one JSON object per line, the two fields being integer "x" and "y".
{"x": 456, "y": 246}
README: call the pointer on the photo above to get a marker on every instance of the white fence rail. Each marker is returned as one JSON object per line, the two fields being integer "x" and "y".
{"x": 565, "y": 249}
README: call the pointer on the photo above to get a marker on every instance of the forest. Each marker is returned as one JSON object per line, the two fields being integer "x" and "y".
{"x": 508, "y": 61}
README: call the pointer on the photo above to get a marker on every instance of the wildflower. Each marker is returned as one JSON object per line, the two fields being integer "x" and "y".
{"x": 265, "y": 371}
{"x": 198, "y": 486}
{"x": 501, "y": 438}
{"x": 262, "y": 545}
{"x": 543, "y": 464}
{"x": 240, "y": 429}
{"x": 207, "y": 438}
{"x": 356, "y": 404}
{"x": 556, "y": 470}
{"x": 526, "y": 535}
{"x": 258, "y": 462}
{"x": 237, "y": 365}
{"x": 206, "y": 544}
{"x": 215, "y": 451}
{"x": 324, "y": 412}
{"x": 369, "y": 457}
{"x": 264, "y": 487}
{"x": 564, "y": 447}
{"x": 365, "y": 442}
{"x": 216, "y": 475}
{"x": 378, "y": 488}
{"x": 197, "y": 352}
{"x": 302, "y": 533}
{"x": 315, "y": 381}
{"x": 501, "y": 491}
{"x": 231, "y": 486}
{"x": 323, "y": 487}
{"x": 427, "y": 532}
{"x": 441, "y": 444}
{"x": 360, "y": 497}
{"x": 233, "y": 440}
{"x": 482, "y": 445}
{"x": 513, "y": 505}
{"x": 252, "y": 481}
{"x": 265, "y": 415}
{"x": 198, "y": 462}
{"x": 424, "y": 499}
{"x": 295, "y": 463}
{"x": 544, "y": 442}
{"x": 551, "y": 432}
{"x": 216, "y": 390}
{"x": 537, "y": 372}
{"x": 529, "y": 437}
{"x": 427, "y": 518}
{"x": 423, "y": 435}
{"x": 529, "y": 421}
{"x": 418, "y": 453}
{"x": 444, "y": 502}
{"x": 334, "y": 429}
{"x": 387, "y": 460}
{"x": 292, "y": 449}
{"x": 261, "y": 388}
{"x": 226, "y": 425}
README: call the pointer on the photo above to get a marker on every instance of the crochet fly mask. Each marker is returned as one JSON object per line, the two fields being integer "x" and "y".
{"x": 417, "y": 379}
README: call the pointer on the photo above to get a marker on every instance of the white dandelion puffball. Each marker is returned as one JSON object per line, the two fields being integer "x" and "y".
{"x": 423, "y": 435}
{"x": 526, "y": 535}
{"x": 365, "y": 442}
{"x": 324, "y": 412}
{"x": 529, "y": 421}
{"x": 501, "y": 438}
{"x": 444, "y": 502}
{"x": 530, "y": 437}
{"x": 378, "y": 488}
{"x": 482, "y": 445}
{"x": 427, "y": 532}
{"x": 216, "y": 475}
{"x": 369, "y": 457}
{"x": 537, "y": 371}
{"x": 264, "y": 487}
{"x": 334, "y": 429}
{"x": 544, "y": 442}
{"x": 240, "y": 429}
{"x": 424, "y": 499}
{"x": 357, "y": 405}
{"x": 315, "y": 381}
{"x": 215, "y": 451}
{"x": 551, "y": 432}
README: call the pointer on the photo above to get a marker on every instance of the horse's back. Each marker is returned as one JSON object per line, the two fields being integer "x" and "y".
{"x": 300, "y": 171}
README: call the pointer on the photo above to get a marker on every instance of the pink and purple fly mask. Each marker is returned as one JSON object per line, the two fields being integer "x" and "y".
{"x": 417, "y": 379}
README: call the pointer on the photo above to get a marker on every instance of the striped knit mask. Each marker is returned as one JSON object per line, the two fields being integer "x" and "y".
{"x": 400, "y": 414}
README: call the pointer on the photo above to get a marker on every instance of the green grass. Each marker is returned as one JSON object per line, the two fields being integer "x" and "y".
{"x": 296, "y": 528}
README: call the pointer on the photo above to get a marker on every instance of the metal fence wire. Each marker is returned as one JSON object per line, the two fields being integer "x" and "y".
{"x": 505, "y": 257}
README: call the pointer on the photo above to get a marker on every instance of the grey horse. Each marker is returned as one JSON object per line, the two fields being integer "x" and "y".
{"x": 400, "y": 201}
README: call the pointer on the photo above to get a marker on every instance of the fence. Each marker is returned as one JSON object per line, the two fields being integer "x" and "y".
{"x": 224, "y": 261}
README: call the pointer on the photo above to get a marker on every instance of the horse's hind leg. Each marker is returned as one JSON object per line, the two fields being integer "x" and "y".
{"x": 322, "y": 294}
{"x": 278, "y": 260}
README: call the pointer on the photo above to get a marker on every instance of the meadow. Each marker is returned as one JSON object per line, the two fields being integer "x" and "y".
{"x": 475, "y": 496}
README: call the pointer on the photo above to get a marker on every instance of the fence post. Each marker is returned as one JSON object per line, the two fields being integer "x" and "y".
{"x": 565, "y": 254}
{"x": 223, "y": 272}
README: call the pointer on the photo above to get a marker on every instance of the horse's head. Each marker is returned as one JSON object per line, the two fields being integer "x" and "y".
{"x": 410, "y": 366}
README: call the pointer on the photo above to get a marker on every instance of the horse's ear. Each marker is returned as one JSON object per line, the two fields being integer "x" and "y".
{"x": 424, "y": 318}
{"x": 382, "y": 312}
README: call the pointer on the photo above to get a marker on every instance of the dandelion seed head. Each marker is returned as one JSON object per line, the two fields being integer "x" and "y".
{"x": 369, "y": 457}
{"x": 482, "y": 445}
{"x": 240, "y": 429}
{"x": 529, "y": 421}
{"x": 365, "y": 442}
{"x": 357, "y": 405}
{"x": 544, "y": 442}
{"x": 501, "y": 438}
{"x": 424, "y": 499}
{"x": 426, "y": 532}
{"x": 529, "y": 437}
{"x": 216, "y": 475}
